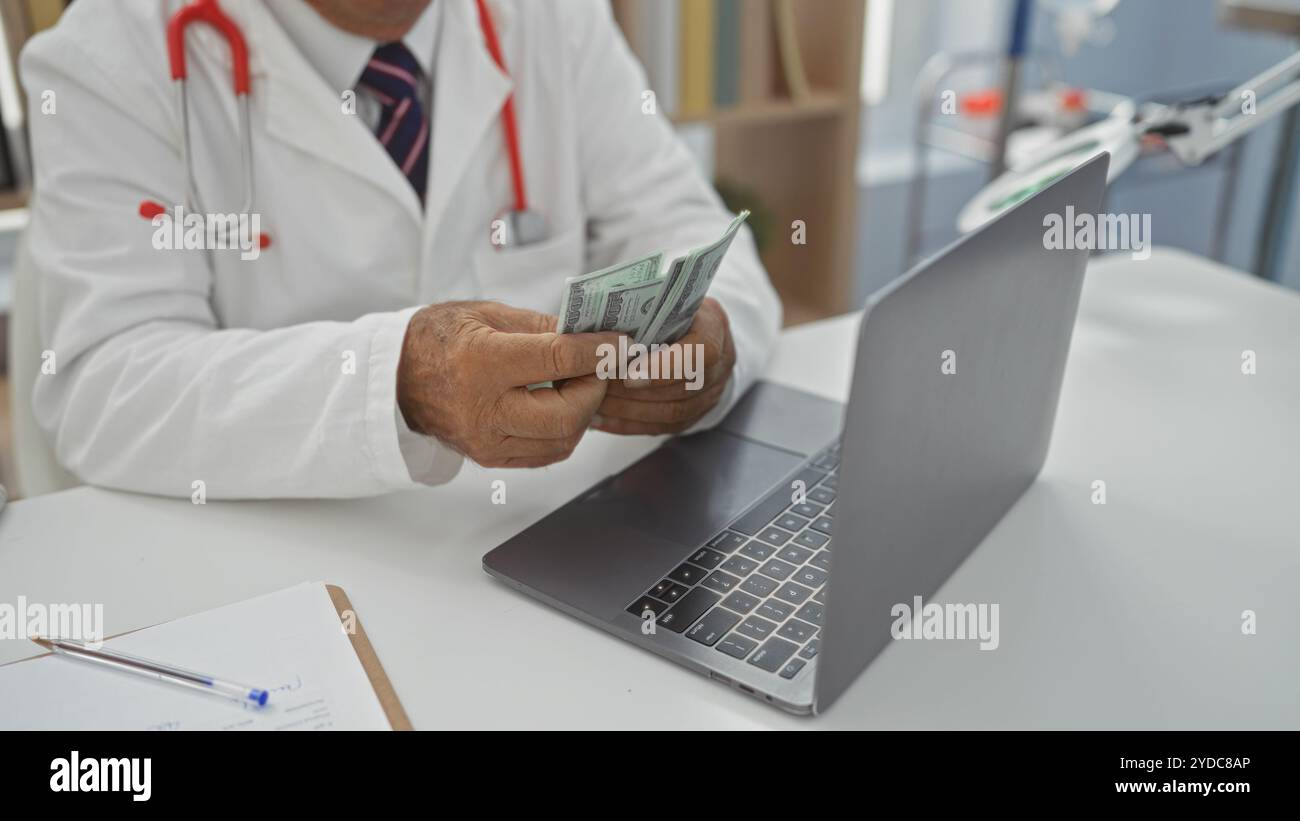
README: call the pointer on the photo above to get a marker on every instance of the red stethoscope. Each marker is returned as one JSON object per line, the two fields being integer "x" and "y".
{"x": 525, "y": 225}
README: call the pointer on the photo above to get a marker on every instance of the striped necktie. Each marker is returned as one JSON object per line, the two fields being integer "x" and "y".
{"x": 393, "y": 78}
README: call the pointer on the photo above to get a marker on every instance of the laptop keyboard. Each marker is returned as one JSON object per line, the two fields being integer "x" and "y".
{"x": 754, "y": 591}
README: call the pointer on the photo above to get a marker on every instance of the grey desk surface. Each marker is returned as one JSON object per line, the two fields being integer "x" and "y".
{"x": 1127, "y": 614}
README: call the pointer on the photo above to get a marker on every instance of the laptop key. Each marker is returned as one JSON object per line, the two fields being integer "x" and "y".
{"x": 638, "y": 607}
{"x": 810, "y": 576}
{"x": 737, "y": 646}
{"x": 831, "y": 483}
{"x": 811, "y": 539}
{"x": 822, "y": 495}
{"x": 708, "y": 559}
{"x": 796, "y": 631}
{"x": 775, "y": 610}
{"x": 673, "y": 593}
{"x": 756, "y": 628}
{"x": 739, "y": 566}
{"x": 740, "y": 602}
{"x": 691, "y": 607}
{"x": 759, "y": 585}
{"x": 758, "y": 551}
{"x": 712, "y": 627}
{"x": 721, "y": 582}
{"x": 660, "y": 588}
{"x": 792, "y": 668}
{"x": 726, "y": 541}
{"x": 793, "y": 593}
{"x": 777, "y": 569}
{"x": 791, "y": 522}
{"x": 775, "y": 536}
{"x": 808, "y": 510}
{"x": 810, "y": 649}
{"x": 812, "y": 612}
{"x": 773, "y": 654}
{"x": 688, "y": 574}
{"x": 773, "y": 505}
{"x": 795, "y": 554}
{"x": 820, "y": 598}
{"x": 822, "y": 560}
{"x": 823, "y": 524}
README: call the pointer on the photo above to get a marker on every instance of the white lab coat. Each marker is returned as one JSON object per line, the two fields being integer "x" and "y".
{"x": 275, "y": 377}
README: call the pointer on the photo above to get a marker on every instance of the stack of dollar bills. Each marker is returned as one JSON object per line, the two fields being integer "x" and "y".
{"x": 641, "y": 300}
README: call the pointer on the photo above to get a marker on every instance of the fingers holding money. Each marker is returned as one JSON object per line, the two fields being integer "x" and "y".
{"x": 659, "y": 406}
{"x": 534, "y": 428}
{"x": 530, "y": 358}
{"x": 561, "y": 412}
{"x": 462, "y": 373}
{"x": 638, "y": 417}
{"x": 706, "y": 348}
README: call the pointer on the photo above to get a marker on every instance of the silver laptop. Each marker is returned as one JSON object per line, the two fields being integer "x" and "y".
{"x": 768, "y": 552}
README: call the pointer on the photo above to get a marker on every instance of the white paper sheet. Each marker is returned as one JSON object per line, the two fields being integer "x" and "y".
{"x": 290, "y": 643}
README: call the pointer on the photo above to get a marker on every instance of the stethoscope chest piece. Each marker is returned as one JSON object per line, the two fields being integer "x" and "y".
{"x": 526, "y": 227}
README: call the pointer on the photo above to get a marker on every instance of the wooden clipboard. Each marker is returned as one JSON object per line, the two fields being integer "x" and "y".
{"x": 365, "y": 654}
{"x": 370, "y": 661}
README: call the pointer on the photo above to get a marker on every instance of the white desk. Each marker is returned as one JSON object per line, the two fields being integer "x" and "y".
{"x": 1123, "y": 615}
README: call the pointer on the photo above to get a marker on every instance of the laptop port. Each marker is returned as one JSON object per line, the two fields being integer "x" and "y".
{"x": 719, "y": 677}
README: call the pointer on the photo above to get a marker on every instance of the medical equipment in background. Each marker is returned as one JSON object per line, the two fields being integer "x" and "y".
{"x": 1193, "y": 131}
{"x": 525, "y": 225}
{"x": 1279, "y": 17}
{"x": 1053, "y": 107}
{"x": 1081, "y": 22}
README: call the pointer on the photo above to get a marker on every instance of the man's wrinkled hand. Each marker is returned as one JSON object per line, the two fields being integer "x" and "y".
{"x": 463, "y": 377}
{"x": 672, "y": 403}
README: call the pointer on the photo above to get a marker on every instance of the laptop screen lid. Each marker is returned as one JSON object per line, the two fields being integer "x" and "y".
{"x": 955, "y": 386}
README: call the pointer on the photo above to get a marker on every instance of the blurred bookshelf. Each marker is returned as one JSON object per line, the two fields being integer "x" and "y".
{"x": 778, "y": 82}
{"x": 19, "y": 20}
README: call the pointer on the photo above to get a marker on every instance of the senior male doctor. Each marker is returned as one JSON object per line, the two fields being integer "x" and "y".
{"x": 382, "y": 336}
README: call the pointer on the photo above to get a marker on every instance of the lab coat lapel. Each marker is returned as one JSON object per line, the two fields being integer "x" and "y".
{"x": 469, "y": 90}
{"x": 302, "y": 111}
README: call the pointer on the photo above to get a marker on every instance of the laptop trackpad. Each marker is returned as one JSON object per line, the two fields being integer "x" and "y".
{"x": 689, "y": 487}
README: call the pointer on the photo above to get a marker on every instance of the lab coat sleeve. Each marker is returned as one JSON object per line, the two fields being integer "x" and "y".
{"x": 643, "y": 191}
{"x": 147, "y": 391}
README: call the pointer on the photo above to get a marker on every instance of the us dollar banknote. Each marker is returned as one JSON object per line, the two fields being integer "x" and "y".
{"x": 638, "y": 299}
{"x": 585, "y": 305}
{"x": 687, "y": 286}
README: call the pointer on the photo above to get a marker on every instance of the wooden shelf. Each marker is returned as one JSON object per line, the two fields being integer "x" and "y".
{"x": 13, "y": 198}
{"x": 795, "y": 155}
{"x": 797, "y": 313}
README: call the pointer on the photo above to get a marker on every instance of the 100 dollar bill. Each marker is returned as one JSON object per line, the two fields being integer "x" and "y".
{"x": 637, "y": 299}
{"x": 687, "y": 285}
{"x": 586, "y": 304}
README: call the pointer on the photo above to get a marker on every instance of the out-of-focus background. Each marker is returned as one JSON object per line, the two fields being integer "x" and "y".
{"x": 856, "y": 130}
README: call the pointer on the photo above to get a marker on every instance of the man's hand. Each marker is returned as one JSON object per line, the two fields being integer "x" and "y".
{"x": 463, "y": 374}
{"x": 655, "y": 406}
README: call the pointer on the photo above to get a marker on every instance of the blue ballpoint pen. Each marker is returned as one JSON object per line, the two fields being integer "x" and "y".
{"x": 151, "y": 669}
